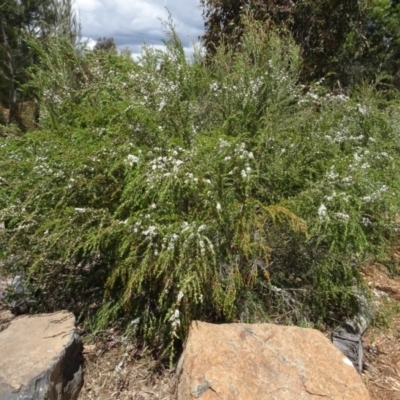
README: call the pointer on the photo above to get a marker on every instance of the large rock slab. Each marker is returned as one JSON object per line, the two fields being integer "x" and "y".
{"x": 263, "y": 362}
{"x": 40, "y": 358}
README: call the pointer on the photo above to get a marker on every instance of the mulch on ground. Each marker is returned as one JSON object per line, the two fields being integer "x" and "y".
{"x": 115, "y": 369}
{"x": 382, "y": 345}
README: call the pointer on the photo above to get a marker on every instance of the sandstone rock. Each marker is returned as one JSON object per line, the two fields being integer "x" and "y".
{"x": 262, "y": 362}
{"x": 5, "y": 317}
{"x": 40, "y": 358}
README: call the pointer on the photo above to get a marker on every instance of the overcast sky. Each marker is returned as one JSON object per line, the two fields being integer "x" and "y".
{"x": 133, "y": 22}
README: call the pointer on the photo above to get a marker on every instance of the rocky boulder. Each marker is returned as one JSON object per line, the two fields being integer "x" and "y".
{"x": 40, "y": 358}
{"x": 262, "y": 362}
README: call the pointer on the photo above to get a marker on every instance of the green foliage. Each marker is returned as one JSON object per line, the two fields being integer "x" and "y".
{"x": 162, "y": 191}
{"x": 20, "y": 22}
{"x": 346, "y": 41}
{"x": 384, "y": 314}
{"x": 319, "y": 27}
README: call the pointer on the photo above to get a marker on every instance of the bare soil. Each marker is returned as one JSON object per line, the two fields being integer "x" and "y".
{"x": 382, "y": 343}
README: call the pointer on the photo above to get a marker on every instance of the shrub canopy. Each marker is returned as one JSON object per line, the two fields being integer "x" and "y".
{"x": 161, "y": 191}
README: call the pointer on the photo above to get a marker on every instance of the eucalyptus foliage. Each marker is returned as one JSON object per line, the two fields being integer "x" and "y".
{"x": 164, "y": 190}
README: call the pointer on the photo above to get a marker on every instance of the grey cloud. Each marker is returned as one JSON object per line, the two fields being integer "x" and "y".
{"x": 133, "y": 22}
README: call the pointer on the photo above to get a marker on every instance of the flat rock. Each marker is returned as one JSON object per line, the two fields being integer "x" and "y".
{"x": 40, "y": 358}
{"x": 263, "y": 362}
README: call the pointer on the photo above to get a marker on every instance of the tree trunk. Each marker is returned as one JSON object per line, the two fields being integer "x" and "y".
{"x": 13, "y": 114}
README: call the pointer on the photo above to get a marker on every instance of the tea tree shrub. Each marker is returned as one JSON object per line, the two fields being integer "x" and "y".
{"x": 161, "y": 191}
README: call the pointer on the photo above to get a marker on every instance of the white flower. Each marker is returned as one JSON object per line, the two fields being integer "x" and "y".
{"x": 331, "y": 197}
{"x": 332, "y": 175}
{"x": 174, "y": 319}
{"x": 214, "y": 86}
{"x": 313, "y": 95}
{"x": 343, "y": 216}
{"x": 243, "y": 173}
{"x": 201, "y": 228}
{"x": 322, "y": 211}
{"x": 185, "y": 226}
{"x": 162, "y": 105}
{"x": 154, "y": 206}
{"x": 180, "y": 296}
{"x": 218, "y": 207}
{"x": 362, "y": 109}
{"x": 366, "y": 221}
{"x": 174, "y": 237}
{"x": 81, "y": 210}
{"x": 223, "y": 144}
{"x": 131, "y": 159}
{"x": 175, "y": 323}
{"x": 152, "y": 231}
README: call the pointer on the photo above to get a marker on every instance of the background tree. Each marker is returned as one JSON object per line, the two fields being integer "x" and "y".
{"x": 21, "y": 21}
{"x": 345, "y": 40}
{"x": 381, "y": 50}
{"x": 106, "y": 44}
{"x": 319, "y": 27}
